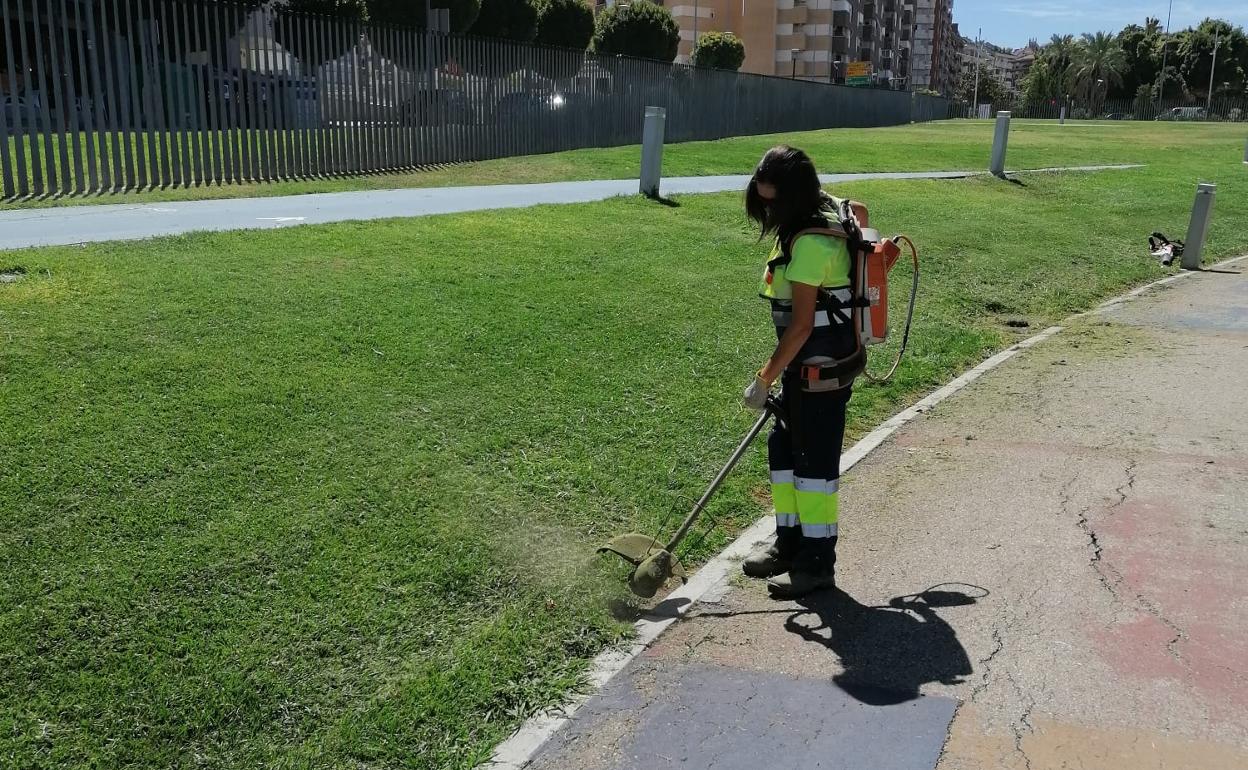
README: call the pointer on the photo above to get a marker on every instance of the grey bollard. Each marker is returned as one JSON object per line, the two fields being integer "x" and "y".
{"x": 1061, "y": 119}
{"x": 1198, "y": 227}
{"x": 997, "y": 167}
{"x": 652, "y": 151}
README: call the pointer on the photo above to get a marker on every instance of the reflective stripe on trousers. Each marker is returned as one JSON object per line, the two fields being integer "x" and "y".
{"x": 804, "y": 454}
{"x": 784, "y": 498}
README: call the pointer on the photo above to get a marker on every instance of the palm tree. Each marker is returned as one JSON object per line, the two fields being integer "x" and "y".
{"x": 1060, "y": 57}
{"x": 1098, "y": 64}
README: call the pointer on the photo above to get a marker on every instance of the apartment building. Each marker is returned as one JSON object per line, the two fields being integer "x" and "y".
{"x": 936, "y": 61}
{"x": 1008, "y": 65}
{"x": 810, "y": 39}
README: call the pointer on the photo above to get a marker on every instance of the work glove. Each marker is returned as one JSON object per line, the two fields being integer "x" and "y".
{"x": 756, "y": 393}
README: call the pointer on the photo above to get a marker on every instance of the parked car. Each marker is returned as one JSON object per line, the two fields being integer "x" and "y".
{"x": 1183, "y": 113}
{"x": 433, "y": 107}
{"x": 529, "y": 105}
{"x": 15, "y": 111}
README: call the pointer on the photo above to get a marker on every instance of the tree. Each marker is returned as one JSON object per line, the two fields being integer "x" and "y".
{"x": 991, "y": 90}
{"x": 642, "y": 29}
{"x": 339, "y": 35}
{"x": 1099, "y": 63}
{"x": 506, "y": 19}
{"x": 565, "y": 24}
{"x": 1142, "y": 48}
{"x": 1195, "y": 51}
{"x": 411, "y": 13}
{"x": 720, "y": 51}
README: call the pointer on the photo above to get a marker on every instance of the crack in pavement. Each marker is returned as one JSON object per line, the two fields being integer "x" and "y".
{"x": 986, "y": 663}
{"x": 1024, "y": 720}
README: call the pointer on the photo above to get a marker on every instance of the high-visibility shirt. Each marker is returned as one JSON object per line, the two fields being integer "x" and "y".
{"x": 815, "y": 260}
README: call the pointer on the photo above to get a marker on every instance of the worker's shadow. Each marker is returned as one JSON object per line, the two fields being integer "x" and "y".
{"x": 890, "y": 651}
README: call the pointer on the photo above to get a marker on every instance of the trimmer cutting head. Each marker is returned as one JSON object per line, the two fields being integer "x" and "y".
{"x": 654, "y": 564}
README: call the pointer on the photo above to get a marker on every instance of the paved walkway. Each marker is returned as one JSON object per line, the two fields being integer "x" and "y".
{"x": 1046, "y": 571}
{"x": 124, "y": 222}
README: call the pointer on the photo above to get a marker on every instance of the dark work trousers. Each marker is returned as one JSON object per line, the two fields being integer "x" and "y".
{"x": 804, "y": 454}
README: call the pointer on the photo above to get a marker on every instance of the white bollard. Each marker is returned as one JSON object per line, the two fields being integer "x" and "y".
{"x": 1198, "y": 227}
{"x": 652, "y": 151}
{"x": 997, "y": 166}
{"x": 1061, "y": 119}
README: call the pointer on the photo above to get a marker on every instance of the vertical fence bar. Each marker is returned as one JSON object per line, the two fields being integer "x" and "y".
{"x": 201, "y": 30}
{"x": 358, "y": 145}
{"x": 305, "y": 96}
{"x": 368, "y": 85}
{"x": 248, "y": 139}
{"x": 48, "y": 183}
{"x": 102, "y": 90}
{"x": 330, "y": 75}
{"x": 274, "y": 112}
{"x": 41, "y": 159}
{"x": 6, "y": 161}
{"x": 153, "y": 90}
{"x": 20, "y": 186}
{"x": 190, "y": 108}
{"x": 132, "y": 112}
{"x": 174, "y": 64}
{"x": 166, "y": 59}
{"x": 227, "y": 94}
{"x": 324, "y": 100}
{"x": 344, "y": 92}
{"x": 86, "y": 93}
{"x": 395, "y": 37}
{"x": 60, "y": 71}
{"x": 294, "y": 104}
{"x": 197, "y": 112}
{"x": 297, "y": 28}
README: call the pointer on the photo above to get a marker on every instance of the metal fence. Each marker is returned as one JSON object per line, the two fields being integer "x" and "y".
{"x": 117, "y": 95}
{"x": 1219, "y": 109}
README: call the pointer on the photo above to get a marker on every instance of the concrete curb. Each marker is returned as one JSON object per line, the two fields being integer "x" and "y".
{"x": 517, "y": 751}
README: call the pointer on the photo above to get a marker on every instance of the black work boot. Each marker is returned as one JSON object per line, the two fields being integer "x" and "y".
{"x": 812, "y": 570}
{"x": 774, "y": 558}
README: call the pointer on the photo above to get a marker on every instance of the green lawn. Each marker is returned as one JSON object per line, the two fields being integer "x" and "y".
{"x": 326, "y": 496}
{"x": 943, "y": 146}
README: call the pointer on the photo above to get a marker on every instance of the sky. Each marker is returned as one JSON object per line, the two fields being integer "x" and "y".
{"x": 1013, "y": 22}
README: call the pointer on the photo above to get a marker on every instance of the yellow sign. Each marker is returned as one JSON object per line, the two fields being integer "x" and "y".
{"x": 858, "y": 73}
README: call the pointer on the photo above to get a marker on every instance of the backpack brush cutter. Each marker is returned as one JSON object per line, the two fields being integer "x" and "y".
{"x": 654, "y": 561}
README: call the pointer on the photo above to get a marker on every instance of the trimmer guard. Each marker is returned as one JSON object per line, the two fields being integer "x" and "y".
{"x": 634, "y": 547}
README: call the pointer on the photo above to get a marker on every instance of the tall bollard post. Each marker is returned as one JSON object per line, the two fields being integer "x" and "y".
{"x": 997, "y": 166}
{"x": 1061, "y": 118}
{"x": 1246, "y": 151}
{"x": 1198, "y": 227}
{"x": 652, "y": 151}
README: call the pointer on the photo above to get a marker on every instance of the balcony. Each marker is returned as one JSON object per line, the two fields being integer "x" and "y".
{"x": 796, "y": 15}
{"x": 800, "y": 41}
{"x": 867, "y": 33}
{"x": 868, "y": 9}
{"x": 840, "y": 43}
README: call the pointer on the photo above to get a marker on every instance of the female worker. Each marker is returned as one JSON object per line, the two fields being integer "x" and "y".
{"x": 807, "y": 281}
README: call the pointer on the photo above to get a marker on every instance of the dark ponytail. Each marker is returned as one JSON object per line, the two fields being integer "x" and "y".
{"x": 799, "y": 196}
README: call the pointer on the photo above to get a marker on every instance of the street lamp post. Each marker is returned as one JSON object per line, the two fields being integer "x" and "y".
{"x": 1212, "y": 66}
{"x": 975, "y": 98}
{"x": 1165, "y": 50}
{"x": 793, "y": 52}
